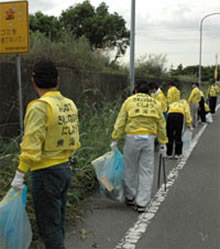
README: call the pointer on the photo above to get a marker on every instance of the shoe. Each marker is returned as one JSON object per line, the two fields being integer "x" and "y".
{"x": 178, "y": 157}
{"x": 129, "y": 202}
{"x": 169, "y": 157}
{"x": 138, "y": 208}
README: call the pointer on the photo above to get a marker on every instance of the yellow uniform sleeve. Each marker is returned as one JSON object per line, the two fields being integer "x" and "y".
{"x": 188, "y": 117}
{"x": 34, "y": 135}
{"x": 119, "y": 127}
{"x": 161, "y": 128}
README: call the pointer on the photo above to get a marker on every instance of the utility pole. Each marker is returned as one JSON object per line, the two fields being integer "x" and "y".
{"x": 132, "y": 47}
{"x": 200, "y": 48}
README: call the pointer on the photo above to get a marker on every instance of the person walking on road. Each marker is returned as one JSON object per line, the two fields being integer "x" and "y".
{"x": 178, "y": 115}
{"x": 173, "y": 94}
{"x": 201, "y": 111}
{"x": 193, "y": 100}
{"x": 140, "y": 119}
{"x": 212, "y": 97}
{"x": 51, "y": 137}
{"x": 158, "y": 94}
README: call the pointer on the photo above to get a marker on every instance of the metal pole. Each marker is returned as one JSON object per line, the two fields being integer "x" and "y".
{"x": 200, "y": 50}
{"x": 132, "y": 46}
{"x": 18, "y": 65}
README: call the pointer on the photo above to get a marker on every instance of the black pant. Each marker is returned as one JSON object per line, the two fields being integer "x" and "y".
{"x": 174, "y": 133}
{"x": 212, "y": 104}
{"x": 201, "y": 111}
{"x": 49, "y": 193}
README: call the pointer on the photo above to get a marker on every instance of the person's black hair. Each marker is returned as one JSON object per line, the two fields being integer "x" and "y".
{"x": 212, "y": 82}
{"x": 153, "y": 85}
{"x": 45, "y": 74}
{"x": 195, "y": 83}
{"x": 142, "y": 86}
{"x": 173, "y": 82}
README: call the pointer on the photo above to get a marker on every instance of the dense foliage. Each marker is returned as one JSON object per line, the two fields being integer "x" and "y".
{"x": 102, "y": 29}
{"x": 207, "y": 72}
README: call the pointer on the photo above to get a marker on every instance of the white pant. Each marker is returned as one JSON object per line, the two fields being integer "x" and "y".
{"x": 138, "y": 168}
{"x": 194, "y": 113}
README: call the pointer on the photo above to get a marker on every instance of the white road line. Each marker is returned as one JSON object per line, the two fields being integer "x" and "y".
{"x": 133, "y": 235}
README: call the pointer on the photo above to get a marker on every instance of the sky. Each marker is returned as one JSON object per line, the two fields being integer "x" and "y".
{"x": 162, "y": 27}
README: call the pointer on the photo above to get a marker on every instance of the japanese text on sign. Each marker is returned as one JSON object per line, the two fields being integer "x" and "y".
{"x": 14, "y": 27}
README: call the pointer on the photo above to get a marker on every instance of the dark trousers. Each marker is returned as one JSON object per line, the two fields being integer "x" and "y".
{"x": 49, "y": 194}
{"x": 212, "y": 104}
{"x": 174, "y": 133}
{"x": 201, "y": 111}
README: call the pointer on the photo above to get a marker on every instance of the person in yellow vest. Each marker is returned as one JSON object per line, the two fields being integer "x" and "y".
{"x": 217, "y": 87}
{"x": 201, "y": 111}
{"x": 140, "y": 119}
{"x": 173, "y": 94}
{"x": 51, "y": 137}
{"x": 178, "y": 115}
{"x": 193, "y": 100}
{"x": 158, "y": 94}
{"x": 212, "y": 96}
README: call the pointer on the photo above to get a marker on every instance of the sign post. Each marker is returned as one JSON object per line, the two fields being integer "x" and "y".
{"x": 14, "y": 38}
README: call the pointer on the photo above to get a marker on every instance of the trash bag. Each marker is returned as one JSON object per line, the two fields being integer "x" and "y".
{"x": 187, "y": 140}
{"x": 209, "y": 118}
{"x": 15, "y": 227}
{"x": 109, "y": 172}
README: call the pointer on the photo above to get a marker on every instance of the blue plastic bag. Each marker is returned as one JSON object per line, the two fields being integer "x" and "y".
{"x": 15, "y": 227}
{"x": 109, "y": 171}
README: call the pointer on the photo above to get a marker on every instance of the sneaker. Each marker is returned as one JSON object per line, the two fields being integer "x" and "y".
{"x": 178, "y": 157}
{"x": 140, "y": 209}
{"x": 129, "y": 202}
{"x": 169, "y": 157}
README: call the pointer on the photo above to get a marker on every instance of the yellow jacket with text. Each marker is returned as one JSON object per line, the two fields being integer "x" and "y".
{"x": 181, "y": 107}
{"x": 173, "y": 95}
{"x": 140, "y": 114}
{"x": 195, "y": 96}
{"x": 159, "y": 95}
{"x": 51, "y": 132}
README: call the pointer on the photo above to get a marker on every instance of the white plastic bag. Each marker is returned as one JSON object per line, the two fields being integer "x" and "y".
{"x": 109, "y": 171}
{"x": 15, "y": 227}
{"x": 187, "y": 140}
{"x": 208, "y": 117}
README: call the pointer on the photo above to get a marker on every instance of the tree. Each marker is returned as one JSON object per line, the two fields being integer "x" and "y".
{"x": 102, "y": 29}
{"x": 151, "y": 65}
{"x": 193, "y": 71}
{"x": 48, "y": 25}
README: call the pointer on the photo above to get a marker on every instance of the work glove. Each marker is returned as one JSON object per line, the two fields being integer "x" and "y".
{"x": 18, "y": 181}
{"x": 113, "y": 146}
{"x": 163, "y": 150}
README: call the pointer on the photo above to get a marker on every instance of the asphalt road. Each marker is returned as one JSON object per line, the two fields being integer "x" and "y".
{"x": 186, "y": 216}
